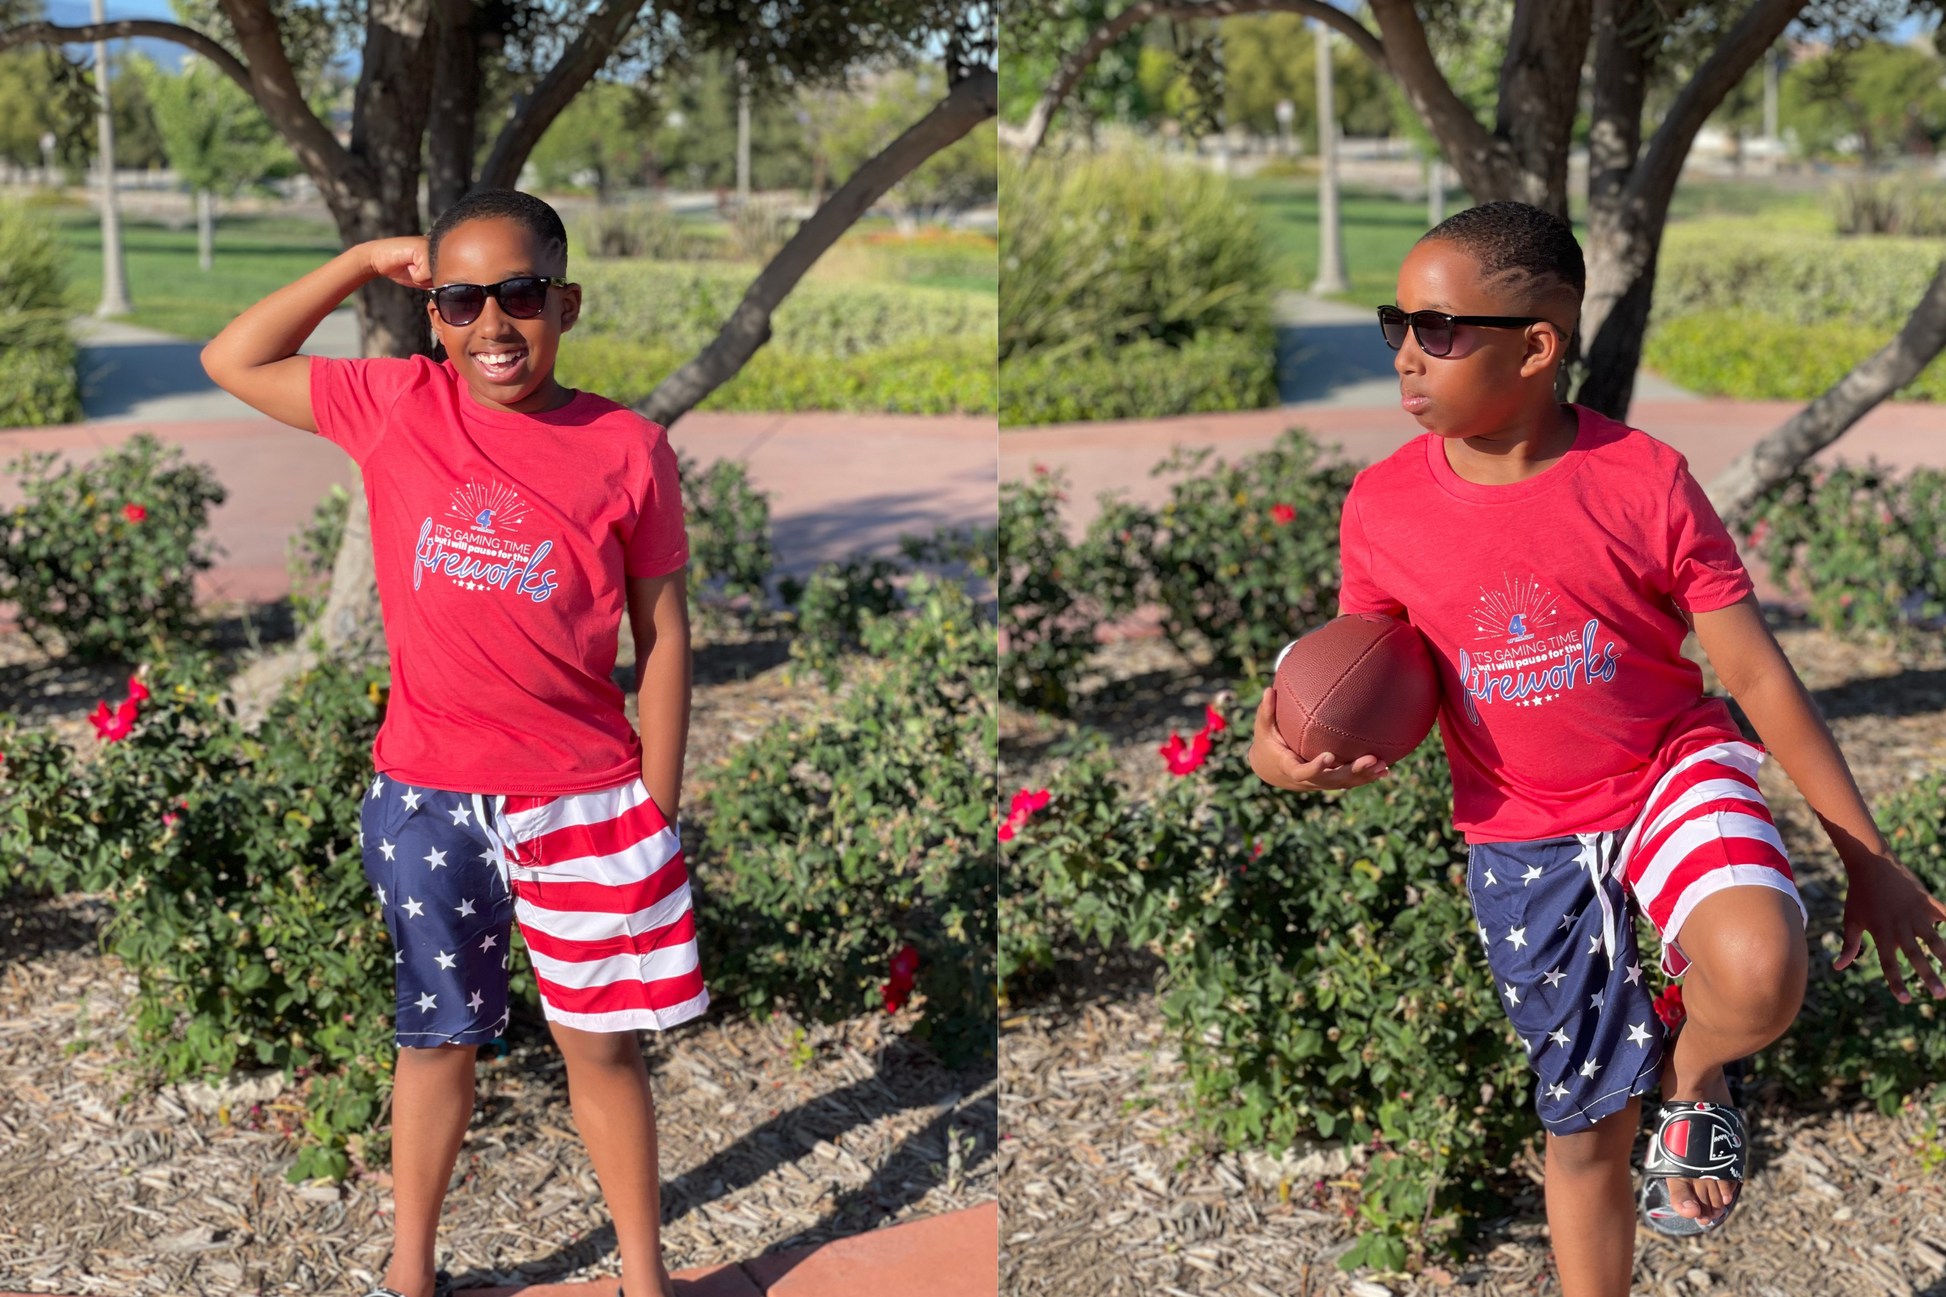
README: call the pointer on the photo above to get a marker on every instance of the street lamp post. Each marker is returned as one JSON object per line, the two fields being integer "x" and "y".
{"x": 1286, "y": 114}
{"x": 1331, "y": 251}
{"x": 114, "y": 275}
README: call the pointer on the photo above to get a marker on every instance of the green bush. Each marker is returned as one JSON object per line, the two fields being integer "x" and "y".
{"x": 827, "y": 847}
{"x": 38, "y": 381}
{"x": 1047, "y": 619}
{"x": 1791, "y": 278}
{"x": 643, "y": 230}
{"x": 234, "y": 877}
{"x": 1243, "y": 558}
{"x": 926, "y": 376}
{"x": 1320, "y": 967}
{"x": 102, "y": 557}
{"x": 1143, "y": 379}
{"x": 835, "y": 606}
{"x": 728, "y": 521}
{"x": 1757, "y": 358}
{"x": 1865, "y": 548}
{"x": 313, "y": 552}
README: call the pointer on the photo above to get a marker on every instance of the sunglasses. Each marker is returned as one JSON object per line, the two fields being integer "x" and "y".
{"x": 523, "y": 297}
{"x": 1434, "y": 329}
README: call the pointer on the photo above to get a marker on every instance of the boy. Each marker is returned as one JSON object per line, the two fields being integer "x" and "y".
{"x": 512, "y": 521}
{"x": 1554, "y": 559}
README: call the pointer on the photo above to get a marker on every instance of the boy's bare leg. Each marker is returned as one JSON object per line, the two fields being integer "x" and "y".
{"x": 608, "y": 1088}
{"x": 432, "y": 1100}
{"x": 1745, "y": 982}
{"x": 1591, "y": 1205}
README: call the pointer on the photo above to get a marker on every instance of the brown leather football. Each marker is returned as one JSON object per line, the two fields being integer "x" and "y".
{"x": 1360, "y": 684}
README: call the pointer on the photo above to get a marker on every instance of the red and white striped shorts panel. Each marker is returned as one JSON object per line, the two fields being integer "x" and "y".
{"x": 602, "y": 897}
{"x": 1705, "y": 827}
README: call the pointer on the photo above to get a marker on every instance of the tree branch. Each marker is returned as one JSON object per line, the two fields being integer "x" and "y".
{"x": 1485, "y": 162}
{"x": 50, "y": 34}
{"x": 606, "y": 28}
{"x": 974, "y": 100}
{"x": 1540, "y": 86}
{"x": 1068, "y": 74}
{"x": 274, "y": 86}
{"x": 1824, "y": 420}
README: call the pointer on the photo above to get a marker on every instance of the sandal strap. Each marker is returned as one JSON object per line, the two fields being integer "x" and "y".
{"x": 1698, "y": 1141}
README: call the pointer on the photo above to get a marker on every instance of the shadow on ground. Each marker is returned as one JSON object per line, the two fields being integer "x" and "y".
{"x": 1314, "y": 360}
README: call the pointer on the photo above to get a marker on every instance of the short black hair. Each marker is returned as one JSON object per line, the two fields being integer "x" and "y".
{"x": 503, "y": 204}
{"x": 1534, "y": 249}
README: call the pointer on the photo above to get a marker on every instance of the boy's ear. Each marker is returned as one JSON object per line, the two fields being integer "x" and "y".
{"x": 570, "y": 306}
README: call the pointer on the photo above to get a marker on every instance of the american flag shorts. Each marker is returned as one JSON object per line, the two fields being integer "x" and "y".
{"x": 596, "y": 881}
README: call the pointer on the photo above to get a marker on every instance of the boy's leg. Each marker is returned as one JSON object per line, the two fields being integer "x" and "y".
{"x": 1591, "y": 1205}
{"x": 608, "y": 1088}
{"x": 1741, "y": 991}
{"x": 432, "y": 1100}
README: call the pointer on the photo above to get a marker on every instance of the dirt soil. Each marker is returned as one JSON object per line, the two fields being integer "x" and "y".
{"x": 1112, "y": 1188}
{"x": 772, "y": 1134}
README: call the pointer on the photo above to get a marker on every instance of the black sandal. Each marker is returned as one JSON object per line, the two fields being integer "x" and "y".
{"x": 442, "y": 1286}
{"x": 1692, "y": 1141}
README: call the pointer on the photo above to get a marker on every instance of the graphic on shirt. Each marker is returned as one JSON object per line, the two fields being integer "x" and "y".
{"x": 1531, "y": 666}
{"x": 477, "y": 555}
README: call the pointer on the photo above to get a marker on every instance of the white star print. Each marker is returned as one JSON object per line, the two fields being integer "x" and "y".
{"x": 1598, "y": 1000}
{"x": 460, "y": 815}
{"x": 1533, "y": 872}
{"x": 1513, "y": 996}
{"x": 1634, "y": 974}
{"x": 435, "y": 858}
{"x": 387, "y": 848}
{"x": 1484, "y": 939}
{"x": 1589, "y": 1068}
{"x": 503, "y": 961}
{"x": 1490, "y": 879}
{"x": 1518, "y": 936}
{"x": 1594, "y": 943}
{"x": 1567, "y": 921}
{"x": 411, "y": 799}
{"x": 1557, "y": 1091}
{"x": 464, "y": 908}
{"x": 428, "y": 1002}
{"x": 378, "y": 786}
{"x": 1553, "y": 977}
{"x": 487, "y": 942}
{"x": 487, "y": 855}
{"x": 1638, "y": 1034}
{"x": 444, "y": 960}
{"x": 361, "y": 839}
{"x": 381, "y": 896}
{"x": 398, "y": 957}
{"x": 475, "y": 1003}
{"x": 1560, "y": 1037}
{"x": 414, "y": 908}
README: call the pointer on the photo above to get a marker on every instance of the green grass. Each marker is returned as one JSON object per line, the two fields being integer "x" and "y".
{"x": 255, "y": 256}
{"x": 1378, "y": 232}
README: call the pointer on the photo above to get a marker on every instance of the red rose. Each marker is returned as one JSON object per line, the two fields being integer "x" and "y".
{"x": 137, "y": 691}
{"x": 1184, "y": 757}
{"x": 1025, "y": 803}
{"x": 1668, "y": 1006}
{"x": 112, "y": 727}
{"x": 134, "y": 512}
{"x": 904, "y": 967}
{"x": 1282, "y": 514}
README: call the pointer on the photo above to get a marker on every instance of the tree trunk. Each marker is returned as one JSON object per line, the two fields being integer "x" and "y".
{"x": 1824, "y": 420}
{"x": 453, "y": 131}
{"x": 1621, "y": 289}
{"x": 1540, "y": 89}
{"x": 205, "y": 230}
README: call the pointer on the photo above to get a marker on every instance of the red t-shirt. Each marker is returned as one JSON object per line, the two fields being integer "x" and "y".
{"x": 502, "y": 541}
{"x": 1553, "y": 606}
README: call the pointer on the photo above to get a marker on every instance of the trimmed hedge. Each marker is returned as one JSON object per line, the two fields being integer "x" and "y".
{"x": 1139, "y": 380}
{"x": 1755, "y": 358}
{"x": 1792, "y": 278}
{"x": 38, "y": 381}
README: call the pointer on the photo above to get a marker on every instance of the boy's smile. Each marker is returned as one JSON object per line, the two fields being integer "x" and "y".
{"x": 508, "y": 363}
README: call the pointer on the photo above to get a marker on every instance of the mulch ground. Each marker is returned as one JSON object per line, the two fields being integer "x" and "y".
{"x": 772, "y": 1134}
{"x": 1113, "y": 1188}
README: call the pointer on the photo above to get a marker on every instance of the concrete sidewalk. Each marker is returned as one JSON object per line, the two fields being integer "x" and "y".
{"x": 838, "y": 483}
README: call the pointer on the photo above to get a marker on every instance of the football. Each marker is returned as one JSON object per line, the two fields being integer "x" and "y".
{"x": 1359, "y": 684}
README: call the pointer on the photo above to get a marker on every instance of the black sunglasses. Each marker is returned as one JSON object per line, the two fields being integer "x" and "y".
{"x": 1434, "y": 329}
{"x": 523, "y": 297}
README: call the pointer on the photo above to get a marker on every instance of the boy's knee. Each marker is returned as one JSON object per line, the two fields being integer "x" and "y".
{"x": 1750, "y": 945}
{"x": 1597, "y": 1149}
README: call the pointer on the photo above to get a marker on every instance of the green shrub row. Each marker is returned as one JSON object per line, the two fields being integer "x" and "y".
{"x": 680, "y": 306}
{"x": 943, "y": 375}
{"x": 38, "y": 380}
{"x": 1756, "y": 358}
{"x": 1792, "y": 278}
{"x": 1141, "y": 379}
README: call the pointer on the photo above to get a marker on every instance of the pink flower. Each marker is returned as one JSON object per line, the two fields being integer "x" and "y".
{"x": 1282, "y": 514}
{"x": 1025, "y": 803}
{"x": 134, "y": 512}
{"x": 169, "y": 819}
{"x": 1213, "y": 722}
{"x": 112, "y": 727}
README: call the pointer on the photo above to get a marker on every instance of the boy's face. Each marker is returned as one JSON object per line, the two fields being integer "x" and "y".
{"x": 508, "y": 363}
{"x": 1490, "y": 374}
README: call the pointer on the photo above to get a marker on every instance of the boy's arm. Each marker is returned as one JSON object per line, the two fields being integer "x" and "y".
{"x": 255, "y": 357}
{"x": 1884, "y": 898}
{"x": 658, "y": 617}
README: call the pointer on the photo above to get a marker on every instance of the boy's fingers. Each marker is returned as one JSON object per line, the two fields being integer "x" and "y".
{"x": 1854, "y": 938}
{"x": 1888, "y": 960}
{"x": 1936, "y": 942}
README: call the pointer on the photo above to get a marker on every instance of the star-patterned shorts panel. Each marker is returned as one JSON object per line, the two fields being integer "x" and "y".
{"x": 1588, "y": 1021}
{"x": 448, "y": 908}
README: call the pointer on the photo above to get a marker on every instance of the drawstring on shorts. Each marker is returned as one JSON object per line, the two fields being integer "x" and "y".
{"x": 1598, "y": 857}
{"x": 495, "y": 840}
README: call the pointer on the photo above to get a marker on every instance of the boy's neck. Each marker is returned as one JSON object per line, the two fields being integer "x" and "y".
{"x": 1529, "y": 445}
{"x": 549, "y": 396}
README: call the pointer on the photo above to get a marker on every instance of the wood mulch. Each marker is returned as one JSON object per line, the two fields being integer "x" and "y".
{"x": 1112, "y": 1187}
{"x": 772, "y": 1134}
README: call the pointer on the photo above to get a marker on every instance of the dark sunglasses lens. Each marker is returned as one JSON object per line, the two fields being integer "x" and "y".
{"x": 459, "y": 303}
{"x": 1435, "y": 334}
{"x": 1391, "y": 323}
{"x": 523, "y": 298}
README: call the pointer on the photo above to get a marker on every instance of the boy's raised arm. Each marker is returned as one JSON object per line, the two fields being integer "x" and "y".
{"x": 255, "y": 357}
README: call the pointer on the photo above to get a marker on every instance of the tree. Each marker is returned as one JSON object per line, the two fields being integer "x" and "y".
{"x": 217, "y": 139}
{"x": 1625, "y": 57}
{"x": 862, "y": 124}
{"x": 424, "y": 66}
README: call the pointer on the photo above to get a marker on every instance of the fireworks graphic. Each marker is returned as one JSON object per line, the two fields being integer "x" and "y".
{"x": 487, "y": 508}
{"x": 1516, "y": 613}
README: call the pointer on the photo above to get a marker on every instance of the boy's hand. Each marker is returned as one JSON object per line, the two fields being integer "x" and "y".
{"x": 406, "y": 260}
{"x": 1886, "y": 900}
{"x": 1280, "y": 767}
